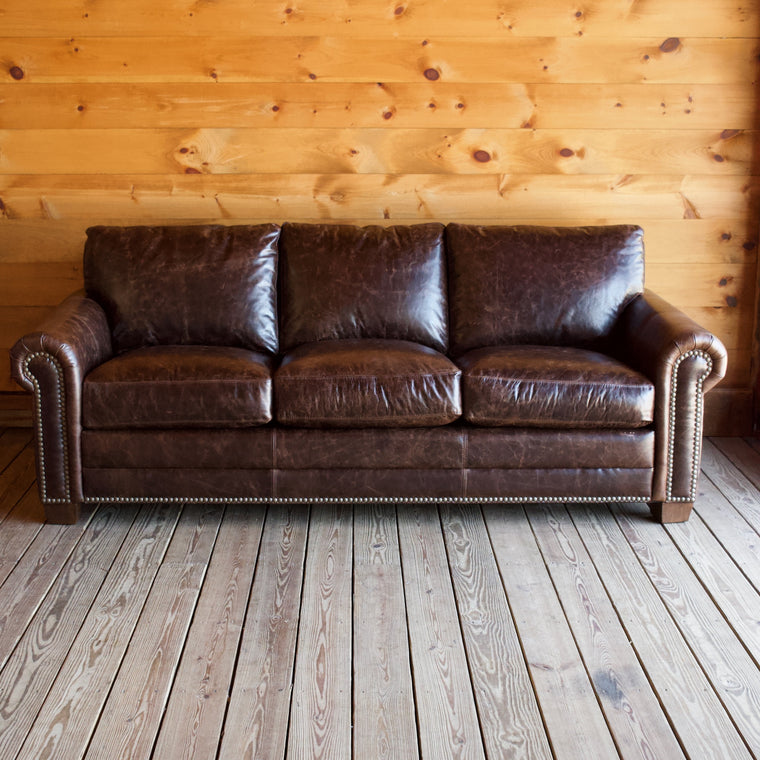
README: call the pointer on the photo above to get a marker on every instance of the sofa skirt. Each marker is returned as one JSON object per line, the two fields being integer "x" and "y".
{"x": 452, "y": 462}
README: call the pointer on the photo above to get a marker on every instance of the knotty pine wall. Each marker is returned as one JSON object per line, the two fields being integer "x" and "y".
{"x": 397, "y": 111}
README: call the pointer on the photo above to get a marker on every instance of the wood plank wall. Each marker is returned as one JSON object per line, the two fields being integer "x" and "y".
{"x": 496, "y": 111}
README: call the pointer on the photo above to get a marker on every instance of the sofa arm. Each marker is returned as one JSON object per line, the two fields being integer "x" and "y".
{"x": 52, "y": 363}
{"x": 683, "y": 361}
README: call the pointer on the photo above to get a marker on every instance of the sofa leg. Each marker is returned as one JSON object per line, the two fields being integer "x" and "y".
{"x": 63, "y": 513}
{"x": 671, "y": 511}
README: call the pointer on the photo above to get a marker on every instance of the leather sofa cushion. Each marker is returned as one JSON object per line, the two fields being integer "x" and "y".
{"x": 540, "y": 285}
{"x": 179, "y": 386}
{"x": 201, "y": 285}
{"x": 366, "y": 383}
{"x": 545, "y": 386}
{"x": 346, "y": 282}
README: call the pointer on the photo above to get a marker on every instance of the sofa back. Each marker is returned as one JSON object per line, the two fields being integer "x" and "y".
{"x": 540, "y": 285}
{"x": 342, "y": 281}
{"x": 203, "y": 284}
{"x": 455, "y": 288}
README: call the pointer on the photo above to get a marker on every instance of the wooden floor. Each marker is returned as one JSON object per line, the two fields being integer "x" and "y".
{"x": 370, "y": 632}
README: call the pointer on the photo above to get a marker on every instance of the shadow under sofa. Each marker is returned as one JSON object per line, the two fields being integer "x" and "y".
{"x": 319, "y": 362}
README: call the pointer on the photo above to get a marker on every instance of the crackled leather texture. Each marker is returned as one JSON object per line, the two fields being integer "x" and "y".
{"x": 369, "y": 397}
{"x": 366, "y": 383}
{"x": 653, "y": 336}
{"x": 188, "y": 285}
{"x": 540, "y": 285}
{"x": 553, "y": 386}
{"x": 179, "y": 386}
{"x": 342, "y": 281}
{"x": 56, "y": 357}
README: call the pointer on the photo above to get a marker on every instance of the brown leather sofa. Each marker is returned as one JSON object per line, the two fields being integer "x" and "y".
{"x": 332, "y": 362}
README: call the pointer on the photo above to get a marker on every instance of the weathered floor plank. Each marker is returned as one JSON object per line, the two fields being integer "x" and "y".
{"x": 257, "y": 719}
{"x": 375, "y": 632}
{"x": 447, "y": 716}
{"x": 132, "y": 713}
{"x": 70, "y": 712}
{"x": 384, "y": 716}
{"x": 195, "y": 713}
{"x": 697, "y": 715}
{"x": 320, "y": 720}
{"x": 574, "y": 720}
{"x": 509, "y": 716}
{"x": 35, "y": 663}
{"x": 632, "y": 709}
{"x": 726, "y": 662}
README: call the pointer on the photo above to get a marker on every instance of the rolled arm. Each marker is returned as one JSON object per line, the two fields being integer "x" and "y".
{"x": 684, "y": 361}
{"x": 52, "y": 363}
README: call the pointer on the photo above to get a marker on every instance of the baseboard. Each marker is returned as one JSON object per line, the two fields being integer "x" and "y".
{"x": 728, "y": 411}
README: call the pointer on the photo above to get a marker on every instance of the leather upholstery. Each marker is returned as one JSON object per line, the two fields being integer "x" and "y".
{"x": 199, "y": 448}
{"x": 52, "y": 363}
{"x": 366, "y": 383}
{"x": 370, "y": 448}
{"x": 528, "y": 484}
{"x": 341, "y": 281}
{"x": 540, "y": 285}
{"x": 553, "y": 386}
{"x": 683, "y": 361}
{"x": 451, "y": 447}
{"x": 179, "y": 387}
{"x": 549, "y": 448}
{"x": 199, "y": 285}
{"x": 626, "y": 483}
{"x": 367, "y": 403}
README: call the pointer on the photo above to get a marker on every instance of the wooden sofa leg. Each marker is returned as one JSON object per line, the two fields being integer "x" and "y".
{"x": 671, "y": 511}
{"x": 64, "y": 513}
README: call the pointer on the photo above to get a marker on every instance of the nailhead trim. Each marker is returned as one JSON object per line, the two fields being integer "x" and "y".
{"x": 38, "y": 420}
{"x": 697, "y": 443}
{"x": 360, "y": 499}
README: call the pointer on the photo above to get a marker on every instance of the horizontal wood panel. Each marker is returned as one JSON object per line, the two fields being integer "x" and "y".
{"x": 37, "y": 284}
{"x": 700, "y": 241}
{"x": 724, "y": 18}
{"x": 376, "y": 196}
{"x": 716, "y": 285}
{"x": 376, "y": 151}
{"x": 339, "y": 105}
{"x": 336, "y": 59}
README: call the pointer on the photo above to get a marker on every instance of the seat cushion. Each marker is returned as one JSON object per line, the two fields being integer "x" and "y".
{"x": 340, "y": 282}
{"x": 206, "y": 285}
{"x": 549, "y": 386}
{"x": 540, "y": 285}
{"x": 360, "y": 383}
{"x": 179, "y": 386}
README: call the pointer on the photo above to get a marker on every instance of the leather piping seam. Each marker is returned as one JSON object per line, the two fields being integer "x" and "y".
{"x": 362, "y": 499}
{"x": 38, "y": 419}
{"x": 697, "y": 441}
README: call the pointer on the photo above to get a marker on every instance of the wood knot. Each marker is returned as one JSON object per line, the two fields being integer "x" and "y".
{"x": 670, "y": 45}
{"x": 432, "y": 74}
{"x": 16, "y": 72}
{"x": 482, "y": 156}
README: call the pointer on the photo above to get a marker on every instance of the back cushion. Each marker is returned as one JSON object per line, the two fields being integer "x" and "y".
{"x": 540, "y": 285}
{"x": 189, "y": 285}
{"x": 341, "y": 281}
